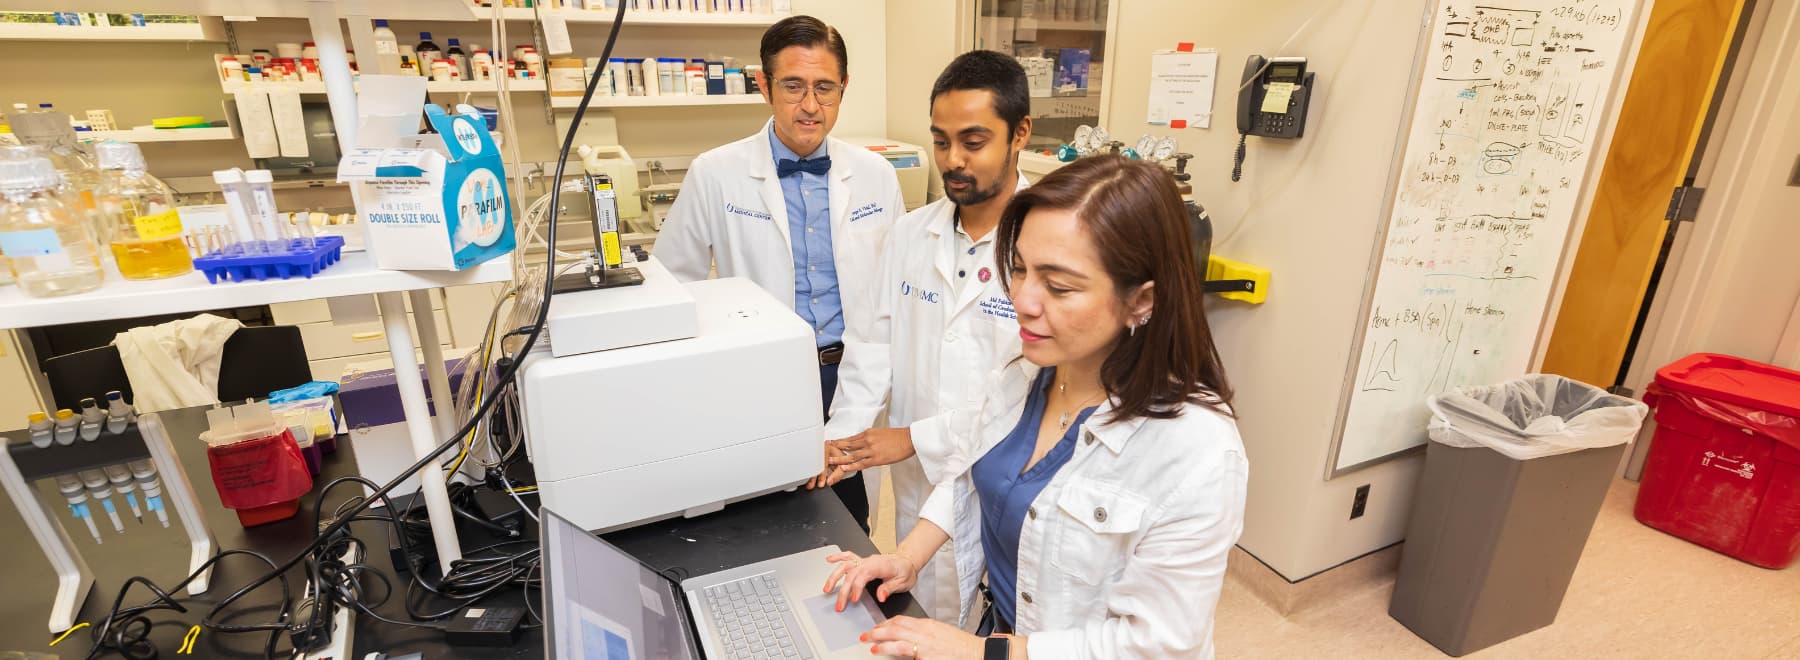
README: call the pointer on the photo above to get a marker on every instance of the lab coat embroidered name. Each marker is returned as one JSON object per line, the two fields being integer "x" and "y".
{"x": 907, "y": 290}
{"x": 748, "y": 213}
{"x": 865, "y": 211}
{"x": 999, "y": 308}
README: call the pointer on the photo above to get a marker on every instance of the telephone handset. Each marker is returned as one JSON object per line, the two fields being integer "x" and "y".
{"x": 1272, "y": 101}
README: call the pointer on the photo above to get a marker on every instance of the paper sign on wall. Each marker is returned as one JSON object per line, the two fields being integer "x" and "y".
{"x": 1181, "y": 88}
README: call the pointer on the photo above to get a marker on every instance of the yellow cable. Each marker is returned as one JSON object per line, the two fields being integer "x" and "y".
{"x": 187, "y": 643}
{"x": 487, "y": 354}
{"x": 78, "y": 626}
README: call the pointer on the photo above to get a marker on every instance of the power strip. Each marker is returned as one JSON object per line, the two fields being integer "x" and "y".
{"x": 343, "y": 623}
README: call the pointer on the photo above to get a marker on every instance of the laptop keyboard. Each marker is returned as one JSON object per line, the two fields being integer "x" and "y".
{"x": 754, "y": 620}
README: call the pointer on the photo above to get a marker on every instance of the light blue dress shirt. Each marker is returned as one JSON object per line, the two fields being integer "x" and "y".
{"x": 809, "y": 226}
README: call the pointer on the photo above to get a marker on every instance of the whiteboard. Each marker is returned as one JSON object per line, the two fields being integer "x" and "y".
{"x": 1504, "y": 128}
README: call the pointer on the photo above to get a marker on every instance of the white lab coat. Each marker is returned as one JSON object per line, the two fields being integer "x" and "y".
{"x": 731, "y": 213}
{"x": 1122, "y": 555}
{"x": 928, "y": 351}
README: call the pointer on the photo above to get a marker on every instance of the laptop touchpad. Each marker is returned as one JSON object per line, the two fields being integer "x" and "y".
{"x": 839, "y": 629}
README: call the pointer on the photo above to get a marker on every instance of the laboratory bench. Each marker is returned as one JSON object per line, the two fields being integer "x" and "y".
{"x": 742, "y": 533}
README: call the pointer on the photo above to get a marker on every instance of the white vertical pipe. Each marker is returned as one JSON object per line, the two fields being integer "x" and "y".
{"x": 442, "y": 400}
{"x": 334, "y": 66}
{"x": 419, "y": 426}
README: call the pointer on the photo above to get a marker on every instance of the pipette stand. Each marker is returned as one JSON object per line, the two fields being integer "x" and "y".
{"x": 22, "y": 463}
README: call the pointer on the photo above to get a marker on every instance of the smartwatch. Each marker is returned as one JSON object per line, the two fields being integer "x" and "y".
{"x": 998, "y": 648}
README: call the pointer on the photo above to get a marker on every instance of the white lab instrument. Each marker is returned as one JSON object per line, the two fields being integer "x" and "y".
{"x": 912, "y": 165}
{"x": 668, "y": 399}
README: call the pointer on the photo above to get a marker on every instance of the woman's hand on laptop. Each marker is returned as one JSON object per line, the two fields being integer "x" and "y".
{"x": 853, "y": 574}
{"x": 910, "y": 637}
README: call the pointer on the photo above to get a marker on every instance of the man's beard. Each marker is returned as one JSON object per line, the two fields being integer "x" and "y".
{"x": 975, "y": 194}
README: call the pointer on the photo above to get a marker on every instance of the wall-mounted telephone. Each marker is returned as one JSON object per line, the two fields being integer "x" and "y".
{"x": 1272, "y": 101}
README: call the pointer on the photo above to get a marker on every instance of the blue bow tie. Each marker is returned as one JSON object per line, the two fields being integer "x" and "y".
{"x": 786, "y": 166}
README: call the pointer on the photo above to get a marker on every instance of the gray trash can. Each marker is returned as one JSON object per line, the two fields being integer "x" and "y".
{"x": 1515, "y": 474}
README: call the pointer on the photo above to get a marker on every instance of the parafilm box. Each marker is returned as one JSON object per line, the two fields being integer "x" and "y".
{"x": 440, "y": 206}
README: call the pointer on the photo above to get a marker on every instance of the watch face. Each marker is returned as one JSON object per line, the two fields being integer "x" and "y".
{"x": 1164, "y": 148}
{"x": 1146, "y": 144}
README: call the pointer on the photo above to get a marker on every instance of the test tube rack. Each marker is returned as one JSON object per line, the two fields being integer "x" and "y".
{"x": 23, "y": 463}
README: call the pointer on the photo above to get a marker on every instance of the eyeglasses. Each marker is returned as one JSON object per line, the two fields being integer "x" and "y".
{"x": 793, "y": 92}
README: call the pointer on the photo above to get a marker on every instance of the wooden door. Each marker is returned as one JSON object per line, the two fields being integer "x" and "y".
{"x": 1680, "y": 65}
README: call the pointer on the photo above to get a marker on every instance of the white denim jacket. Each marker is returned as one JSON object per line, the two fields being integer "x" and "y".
{"x": 1123, "y": 554}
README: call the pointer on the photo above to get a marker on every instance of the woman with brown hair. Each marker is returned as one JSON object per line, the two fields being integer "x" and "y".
{"x": 1100, "y": 485}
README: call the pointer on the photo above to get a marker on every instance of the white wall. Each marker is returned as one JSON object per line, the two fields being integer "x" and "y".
{"x": 1308, "y": 210}
{"x": 923, "y": 41}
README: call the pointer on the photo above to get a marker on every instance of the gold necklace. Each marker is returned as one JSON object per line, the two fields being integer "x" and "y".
{"x": 1063, "y": 389}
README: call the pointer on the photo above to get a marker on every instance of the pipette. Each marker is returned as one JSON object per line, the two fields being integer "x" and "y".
{"x": 42, "y": 430}
{"x": 118, "y": 413}
{"x": 147, "y": 482}
{"x": 100, "y": 488}
{"x": 66, "y": 427}
{"x": 73, "y": 491}
{"x": 125, "y": 485}
{"x": 91, "y": 417}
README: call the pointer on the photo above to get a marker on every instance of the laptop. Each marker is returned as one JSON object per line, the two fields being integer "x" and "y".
{"x": 601, "y": 603}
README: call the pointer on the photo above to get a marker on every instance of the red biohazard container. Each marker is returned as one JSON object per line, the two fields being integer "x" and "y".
{"x": 1724, "y": 465}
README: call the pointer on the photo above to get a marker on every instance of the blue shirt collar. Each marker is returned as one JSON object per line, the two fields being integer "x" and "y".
{"x": 780, "y": 149}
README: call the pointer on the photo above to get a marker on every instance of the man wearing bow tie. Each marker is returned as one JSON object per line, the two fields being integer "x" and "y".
{"x": 797, "y": 212}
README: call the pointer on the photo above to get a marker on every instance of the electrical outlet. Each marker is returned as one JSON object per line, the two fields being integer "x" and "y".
{"x": 1361, "y": 503}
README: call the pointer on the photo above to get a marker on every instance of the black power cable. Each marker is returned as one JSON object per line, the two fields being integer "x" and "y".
{"x": 127, "y": 628}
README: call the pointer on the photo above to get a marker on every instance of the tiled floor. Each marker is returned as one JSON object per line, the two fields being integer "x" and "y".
{"x": 1638, "y": 593}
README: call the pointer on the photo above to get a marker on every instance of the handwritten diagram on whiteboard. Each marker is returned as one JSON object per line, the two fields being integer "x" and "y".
{"x": 1504, "y": 129}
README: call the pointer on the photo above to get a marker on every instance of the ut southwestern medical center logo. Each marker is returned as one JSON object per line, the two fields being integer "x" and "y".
{"x": 907, "y": 290}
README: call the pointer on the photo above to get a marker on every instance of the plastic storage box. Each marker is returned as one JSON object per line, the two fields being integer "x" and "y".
{"x": 1724, "y": 465}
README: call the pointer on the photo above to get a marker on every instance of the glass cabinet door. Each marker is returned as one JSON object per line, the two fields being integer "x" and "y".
{"x": 1061, "y": 44}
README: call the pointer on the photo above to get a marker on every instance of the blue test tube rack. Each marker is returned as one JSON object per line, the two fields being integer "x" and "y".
{"x": 296, "y": 259}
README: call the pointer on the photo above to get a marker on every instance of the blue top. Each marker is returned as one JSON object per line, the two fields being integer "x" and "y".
{"x": 1006, "y": 490}
{"x": 809, "y": 228}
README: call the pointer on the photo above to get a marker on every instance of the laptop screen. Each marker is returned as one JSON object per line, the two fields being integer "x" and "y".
{"x": 603, "y": 604}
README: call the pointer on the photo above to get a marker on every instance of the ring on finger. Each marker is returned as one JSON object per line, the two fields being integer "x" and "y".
{"x": 915, "y": 652}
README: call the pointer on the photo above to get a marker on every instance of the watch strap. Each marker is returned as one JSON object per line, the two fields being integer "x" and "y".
{"x": 998, "y": 648}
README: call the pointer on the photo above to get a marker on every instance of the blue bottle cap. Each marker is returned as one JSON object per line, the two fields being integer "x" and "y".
{"x": 424, "y": 36}
{"x": 381, "y": 22}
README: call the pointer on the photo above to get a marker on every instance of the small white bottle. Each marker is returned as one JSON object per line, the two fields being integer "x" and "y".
{"x": 387, "y": 47}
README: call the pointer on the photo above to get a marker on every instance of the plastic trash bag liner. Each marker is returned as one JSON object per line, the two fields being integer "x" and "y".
{"x": 1533, "y": 417}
